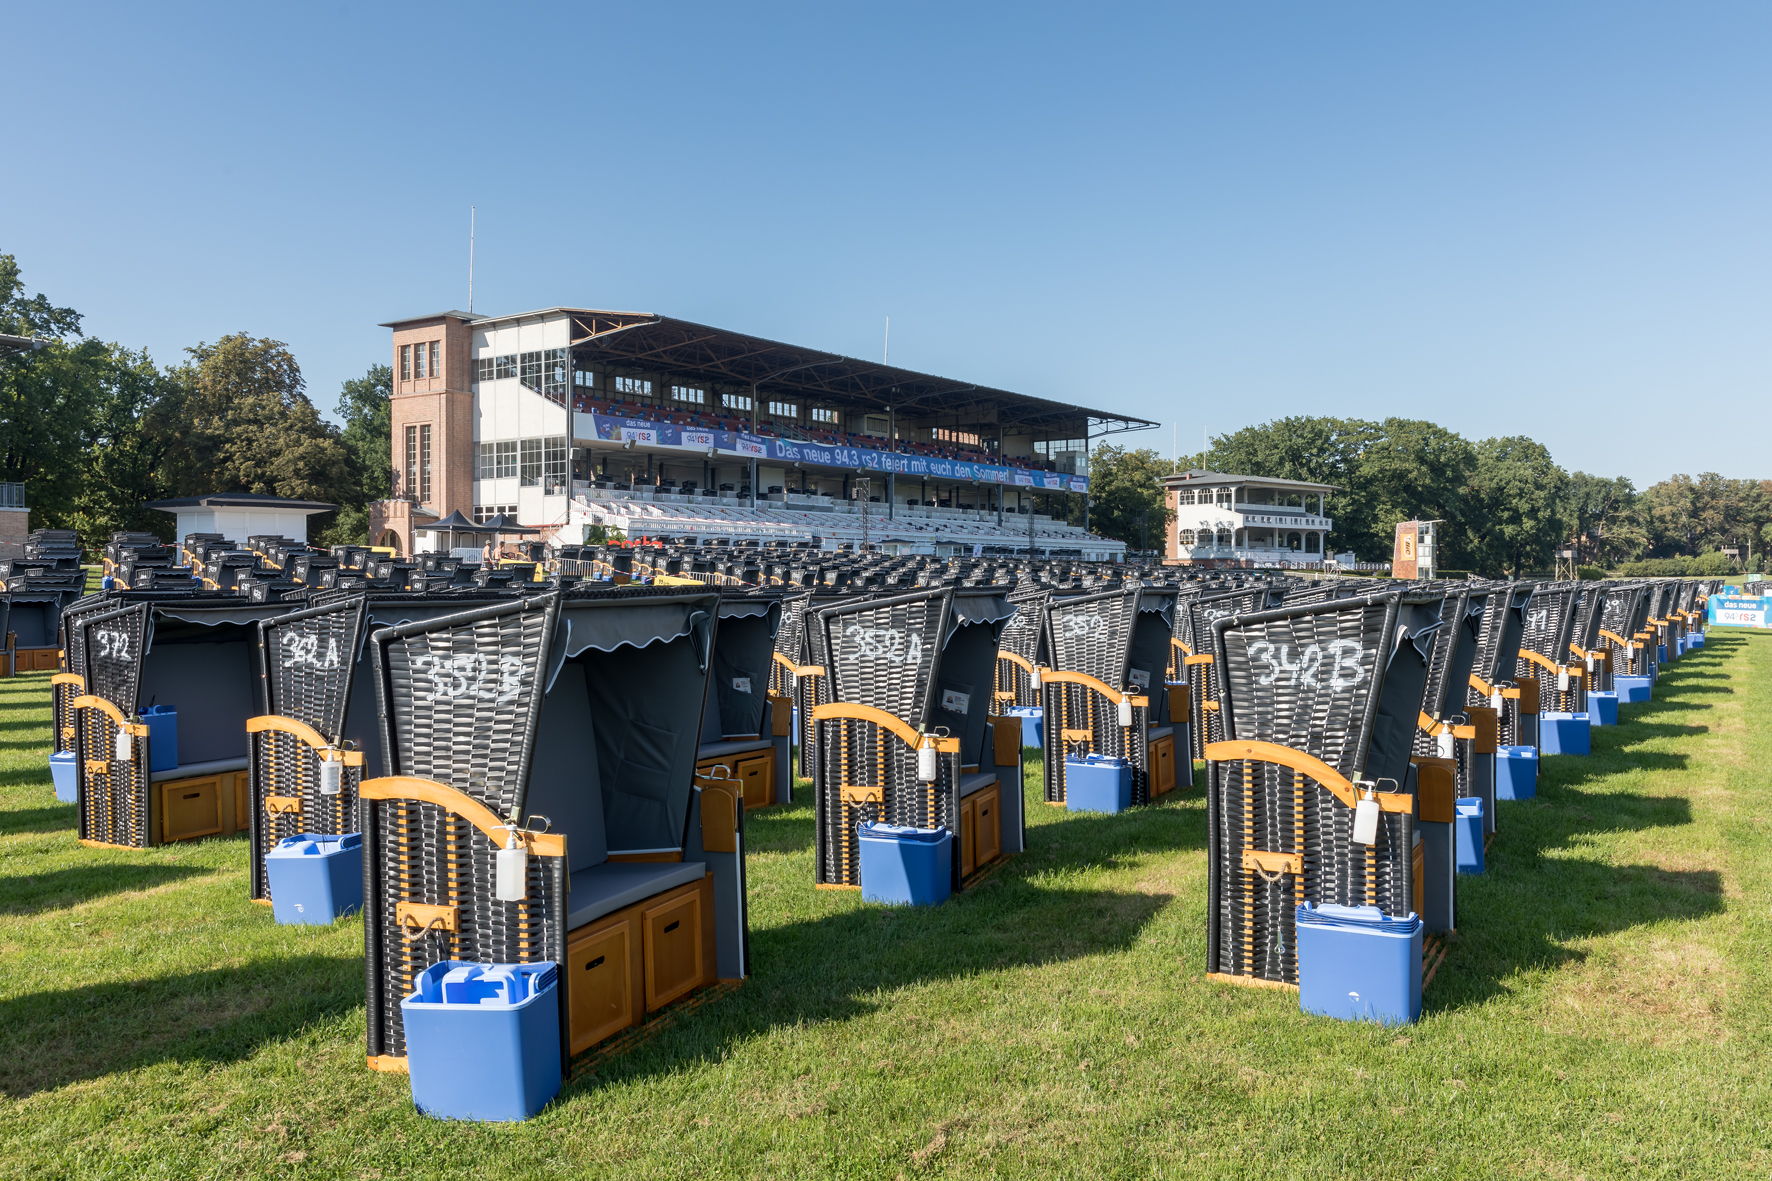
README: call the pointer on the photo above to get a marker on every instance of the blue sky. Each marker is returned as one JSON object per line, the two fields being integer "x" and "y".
{"x": 1511, "y": 218}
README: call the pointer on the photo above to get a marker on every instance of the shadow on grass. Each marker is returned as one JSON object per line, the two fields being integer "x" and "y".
{"x": 56, "y": 817}
{"x": 32, "y": 893}
{"x": 58, "y": 1036}
{"x": 843, "y": 966}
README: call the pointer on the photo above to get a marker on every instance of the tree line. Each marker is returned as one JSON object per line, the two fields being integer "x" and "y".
{"x": 94, "y": 429}
{"x": 1507, "y": 507}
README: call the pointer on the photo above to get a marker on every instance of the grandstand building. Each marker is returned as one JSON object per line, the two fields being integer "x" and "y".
{"x": 571, "y": 419}
{"x": 1224, "y": 519}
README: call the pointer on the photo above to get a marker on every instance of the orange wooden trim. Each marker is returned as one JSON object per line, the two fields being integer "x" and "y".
{"x": 1481, "y": 686}
{"x": 1018, "y": 661}
{"x": 867, "y": 713}
{"x": 1243, "y": 749}
{"x": 67, "y": 679}
{"x": 388, "y": 1064}
{"x": 411, "y": 787}
{"x": 1202, "y": 658}
{"x": 1426, "y": 724}
{"x": 1468, "y": 733}
{"x": 808, "y": 670}
{"x": 427, "y": 916}
{"x": 1543, "y": 662}
{"x": 1266, "y": 862}
{"x": 833, "y": 886}
{"x": 312, "y": 737}
{"x": 1175, "y": 643}
{"x": 782, "y": 660}
{"x": 1250, "y": 981}
{"x": 278, "y": 805}
{"x": 1059, "y": 677}
{"x": 88, "y": 701}
{"x": 1614, "y": 637}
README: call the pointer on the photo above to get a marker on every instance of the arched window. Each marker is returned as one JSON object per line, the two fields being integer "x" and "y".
{"x": 1295, "y": 541}
{"x": 1184, "y": 537}
{"x": 1226, "y": 538}
{"x": 1184, "y": 496}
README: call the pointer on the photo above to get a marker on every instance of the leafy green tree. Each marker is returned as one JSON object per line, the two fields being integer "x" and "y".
{"x": 1518, "y": 498}
{"x": 242, "y": 422}
{"x": 1609, "y": 523}
{"x": 364, "y": 405}
{"x": 1126, "y": 500}
{"x": 1321, "y": 451}
{"x": 1411, "y": 470}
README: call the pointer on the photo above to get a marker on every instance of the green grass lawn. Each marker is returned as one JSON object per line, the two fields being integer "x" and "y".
{"x": 1605, "y": 1012}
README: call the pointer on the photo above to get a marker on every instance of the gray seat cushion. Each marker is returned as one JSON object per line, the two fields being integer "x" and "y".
{"x": 976, "y": 781}
{"x": 730, "y": 747}
{"x": 194, "y": 770}
{"x": 604, "y": 889}
{"x": 1156, "y": 732}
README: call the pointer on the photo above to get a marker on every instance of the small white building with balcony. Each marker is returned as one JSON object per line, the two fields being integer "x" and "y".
{"x": 1224, "y": 519}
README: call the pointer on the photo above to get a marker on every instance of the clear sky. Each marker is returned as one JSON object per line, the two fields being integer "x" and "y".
{"x": 1508, "y": 217}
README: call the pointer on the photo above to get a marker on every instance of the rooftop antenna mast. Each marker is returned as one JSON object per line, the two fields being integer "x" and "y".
{"x": 886, "y": 343}
{"x": 473, "y": 217}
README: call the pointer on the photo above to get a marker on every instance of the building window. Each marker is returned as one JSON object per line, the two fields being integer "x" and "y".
{"x": 584, "y": 379}
{"x": 826, "y": 415}
{"x": 1226, "y": 537}
{"x": 418, "y": 462}
{"x": 485, "y": 512}
{"x": 965, "y": 438}
{"x": 529, "y": 463}
{"x": 436, "y": 358}
{"x": 634, "y": 387}
{"x": 405, "y": 362}
{"x": 498, "y": 460}
{"x": 505, "y": 366}
{"x": 736, "y": 402}
{"x": 876, "y": 424}
{"x": 419, "y": 372}
{"x": 784, "y": 410}
{"x": 483, "y": 368}
{"x": 692, "y": 394}
{"x": 1184, "y": 496}
{"x": 541, "y": 463}
{"x": 1185, "y": 537}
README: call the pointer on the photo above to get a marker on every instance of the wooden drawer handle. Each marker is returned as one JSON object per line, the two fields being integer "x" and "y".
{"x": 191, "y": 795}
{"x": 596, "y": 963}
{"x": 672, "y": 925}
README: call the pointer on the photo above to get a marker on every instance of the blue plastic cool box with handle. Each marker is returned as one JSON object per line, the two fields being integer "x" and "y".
{"x": 906, "y": 866}
{"x": 483, "y": 1040}
{"x": 1356, "y": 963}
{"x": 315, "y": 879}
{"x": 1097, "y": 783}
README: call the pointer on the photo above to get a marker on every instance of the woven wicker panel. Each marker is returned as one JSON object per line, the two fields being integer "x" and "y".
{"x": 307, "y": 661}
{"x": 1309, "y": 677}
{"x": 1022, "y": 634}
{"x": 1090, "y": 633}
{"x": 461, "y": 695}
{"x": 420, "y": 852}
{"x": 1077, "y": 707}
{"x": 1264, "y": 807}
{"x": 113, "y": 795}
{"x": 789, "y": 640}
{"x": 283, "y": 765}
{"x": 112, "y": 649}
{"x": 885, "y": 652}
{"x": 860, "y": 755}
{"x": 1499, "y": 642}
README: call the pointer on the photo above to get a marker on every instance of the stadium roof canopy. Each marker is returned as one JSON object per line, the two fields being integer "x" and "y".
{"x": 680, "y": 347}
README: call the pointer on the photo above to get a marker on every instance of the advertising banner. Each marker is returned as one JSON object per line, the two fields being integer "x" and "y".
{"x": 618, "y": 429}
{"x": 1740, "y": 611}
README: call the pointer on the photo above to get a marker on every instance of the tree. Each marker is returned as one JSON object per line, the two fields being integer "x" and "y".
{"x": 242, "y": 422}
{"x": 363, "y": 404}
{"x": 1126, "y": 500}
{"x": 1519, "y": 505}
{"x": 1608, "y": 525}
{"x": 1411, "y": 470}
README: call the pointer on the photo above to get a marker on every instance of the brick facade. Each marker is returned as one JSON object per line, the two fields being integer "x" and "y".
{"x": 443, "y": 402}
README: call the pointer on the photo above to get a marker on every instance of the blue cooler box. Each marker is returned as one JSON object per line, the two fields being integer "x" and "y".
{"x": 1661, "y": 654}
{"x": 62, "y": 770}
{"x": 1033, "y": 724}
{"x": 1695, "y": 640}
{"x": 1467, "y": 834}
{"x": 1516, "y": 773}
{"x": 1357, "y": 964}
{"x": 1097, "y": 783}
{"x": 906, "y": 866}
{"x": 315, "y": 879}
{"x": 1602, "y": 708}
{"x": 483, "y": 1040}
{"x": 1564, "y": 734}
{"x": 162, "y": 723}
{"x": 1632, "y": 690}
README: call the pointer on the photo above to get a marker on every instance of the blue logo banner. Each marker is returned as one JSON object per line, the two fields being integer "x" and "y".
{"x": 618, "y": 429}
